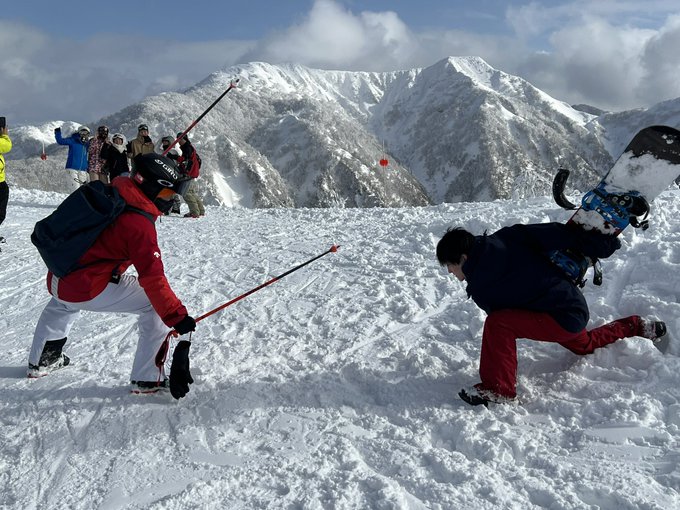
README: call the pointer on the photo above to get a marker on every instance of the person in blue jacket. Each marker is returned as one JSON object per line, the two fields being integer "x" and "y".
{"x": 510, "y": 276}
{"x": 76, "y": 161}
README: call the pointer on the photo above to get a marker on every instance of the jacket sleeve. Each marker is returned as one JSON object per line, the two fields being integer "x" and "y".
{"x": 60, "y": 139}
{"x": 5, "y": 144}
{"x": 545, "y": 237}
{"x": 145, "y": 255}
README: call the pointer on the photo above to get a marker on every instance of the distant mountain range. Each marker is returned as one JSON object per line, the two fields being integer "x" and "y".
{"x": 291, "y": 136}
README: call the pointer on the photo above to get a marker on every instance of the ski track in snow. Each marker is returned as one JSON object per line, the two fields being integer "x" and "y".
{"x": 336, "y": 386}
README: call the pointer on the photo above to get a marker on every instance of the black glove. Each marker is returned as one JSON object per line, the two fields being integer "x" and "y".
{"x": 147, "y": 139}
{"x": 180, "y": 377}
{"x": 186, "y": 325}
{"x": 600, "y": 245}
{"x": 57, "y": 130}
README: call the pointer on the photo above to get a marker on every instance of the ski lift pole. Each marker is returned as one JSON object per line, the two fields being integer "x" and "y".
{"x": 232, "y": 85}
{"x": 332, "y": 249}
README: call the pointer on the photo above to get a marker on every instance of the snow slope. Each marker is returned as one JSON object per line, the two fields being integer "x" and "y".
{"x": 336, "y": 387}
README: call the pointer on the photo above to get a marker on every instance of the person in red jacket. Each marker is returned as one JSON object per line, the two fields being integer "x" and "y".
{"x": 101, "y": 284}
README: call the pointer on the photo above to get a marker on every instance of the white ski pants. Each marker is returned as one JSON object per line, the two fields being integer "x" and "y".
{"x": 126, "y": 296}
{"x": 76, "y": 178}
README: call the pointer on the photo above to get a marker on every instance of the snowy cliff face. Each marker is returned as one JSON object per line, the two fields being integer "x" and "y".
{"x": 290, "y": 136}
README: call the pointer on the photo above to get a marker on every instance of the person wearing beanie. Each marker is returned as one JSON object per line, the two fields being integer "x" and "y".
{"x": 142, "y": 144}
{"x": 95, "y": 164}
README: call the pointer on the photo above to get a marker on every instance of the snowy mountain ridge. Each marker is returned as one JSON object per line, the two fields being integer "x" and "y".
{"x": 291, "y": 136}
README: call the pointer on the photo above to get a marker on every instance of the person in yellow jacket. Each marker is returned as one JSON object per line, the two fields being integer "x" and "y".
{"x": 5, "y": 147}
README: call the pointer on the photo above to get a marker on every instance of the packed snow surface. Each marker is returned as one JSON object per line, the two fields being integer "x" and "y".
{"x": 335, "y": 387}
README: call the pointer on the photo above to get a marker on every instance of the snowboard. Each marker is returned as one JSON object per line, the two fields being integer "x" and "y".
{"x": 649, "y": 164}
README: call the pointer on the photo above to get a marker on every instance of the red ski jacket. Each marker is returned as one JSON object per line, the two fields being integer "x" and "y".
{"x": 129, "y": 240}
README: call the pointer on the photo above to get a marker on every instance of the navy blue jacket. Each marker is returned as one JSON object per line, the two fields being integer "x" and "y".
{"x": 511, "y": 269}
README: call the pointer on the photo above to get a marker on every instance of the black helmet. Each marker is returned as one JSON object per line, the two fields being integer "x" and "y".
{"x": 185, "y": 137}
{"x": 142, "y": 127}
{"x": 153, "y": 173}
{"x": 103, "y": 130}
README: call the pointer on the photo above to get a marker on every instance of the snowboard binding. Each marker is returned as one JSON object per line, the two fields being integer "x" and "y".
{"x": 618, "y": 209}
{"x": 575, "y": 266}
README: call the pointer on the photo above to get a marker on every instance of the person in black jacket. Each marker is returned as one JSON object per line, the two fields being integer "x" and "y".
{"x": 114, "y": 157}
{"x": 510, "y": 276}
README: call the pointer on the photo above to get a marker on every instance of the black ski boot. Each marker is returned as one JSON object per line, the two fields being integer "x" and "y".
{"x": 652, "y": 329}
{"x": 51, "y": 359}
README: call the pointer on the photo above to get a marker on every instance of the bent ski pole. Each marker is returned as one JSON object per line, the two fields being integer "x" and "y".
{"x": 332, "y": 249}
{"x": 232, "y": 85}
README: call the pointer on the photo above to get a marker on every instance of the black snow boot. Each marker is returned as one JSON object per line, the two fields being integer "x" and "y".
{"x": 51, "y": 359}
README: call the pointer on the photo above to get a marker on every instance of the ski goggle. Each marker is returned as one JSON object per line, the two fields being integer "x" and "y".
{"x": 179, "y": 188}
{"x": 166, "y": 194}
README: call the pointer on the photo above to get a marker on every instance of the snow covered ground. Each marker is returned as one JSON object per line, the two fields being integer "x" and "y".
{"x": 336, "y": 387}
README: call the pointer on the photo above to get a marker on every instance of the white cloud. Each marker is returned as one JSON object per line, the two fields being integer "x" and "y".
{"x": 660, "y": 61}
{"x": 611, "y": 53}
{"x": 42, "y": 78}
{"x": 333, "y": 37}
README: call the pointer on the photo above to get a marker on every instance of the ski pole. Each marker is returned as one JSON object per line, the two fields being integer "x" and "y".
{"x": 162, "y": 353}
{"x": 332, "y": 249}
{"x": 232, "y": 85}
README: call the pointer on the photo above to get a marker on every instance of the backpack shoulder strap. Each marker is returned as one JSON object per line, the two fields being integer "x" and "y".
{"x": 147, "y": 215}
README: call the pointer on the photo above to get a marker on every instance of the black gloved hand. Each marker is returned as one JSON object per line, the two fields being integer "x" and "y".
{"x": 186, "y": 325}
{"x": 180, "y": 376}
{"x": 57, "y": 130}
{"x": 147, "y": 139}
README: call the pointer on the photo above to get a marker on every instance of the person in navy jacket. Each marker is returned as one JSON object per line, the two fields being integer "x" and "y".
{"x": 76, "y": 161}
{"x": 510, "y": 276}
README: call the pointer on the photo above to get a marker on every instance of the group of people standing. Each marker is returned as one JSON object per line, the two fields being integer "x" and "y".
{"x": 100, "y": 158}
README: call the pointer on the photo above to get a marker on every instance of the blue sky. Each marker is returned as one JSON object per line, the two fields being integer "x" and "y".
{"x": 80, "y": 61}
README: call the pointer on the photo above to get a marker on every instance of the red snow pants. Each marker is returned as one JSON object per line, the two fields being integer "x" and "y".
{"x": 498, "y": 363}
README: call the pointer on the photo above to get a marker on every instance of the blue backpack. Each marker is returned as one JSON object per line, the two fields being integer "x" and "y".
{"x": 64, "y": 236}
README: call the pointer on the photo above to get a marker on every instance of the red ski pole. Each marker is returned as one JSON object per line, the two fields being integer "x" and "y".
{"x": 163, "y": 351}
{"x": 332, "y": 249}
{"x": 232, "y": 85}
